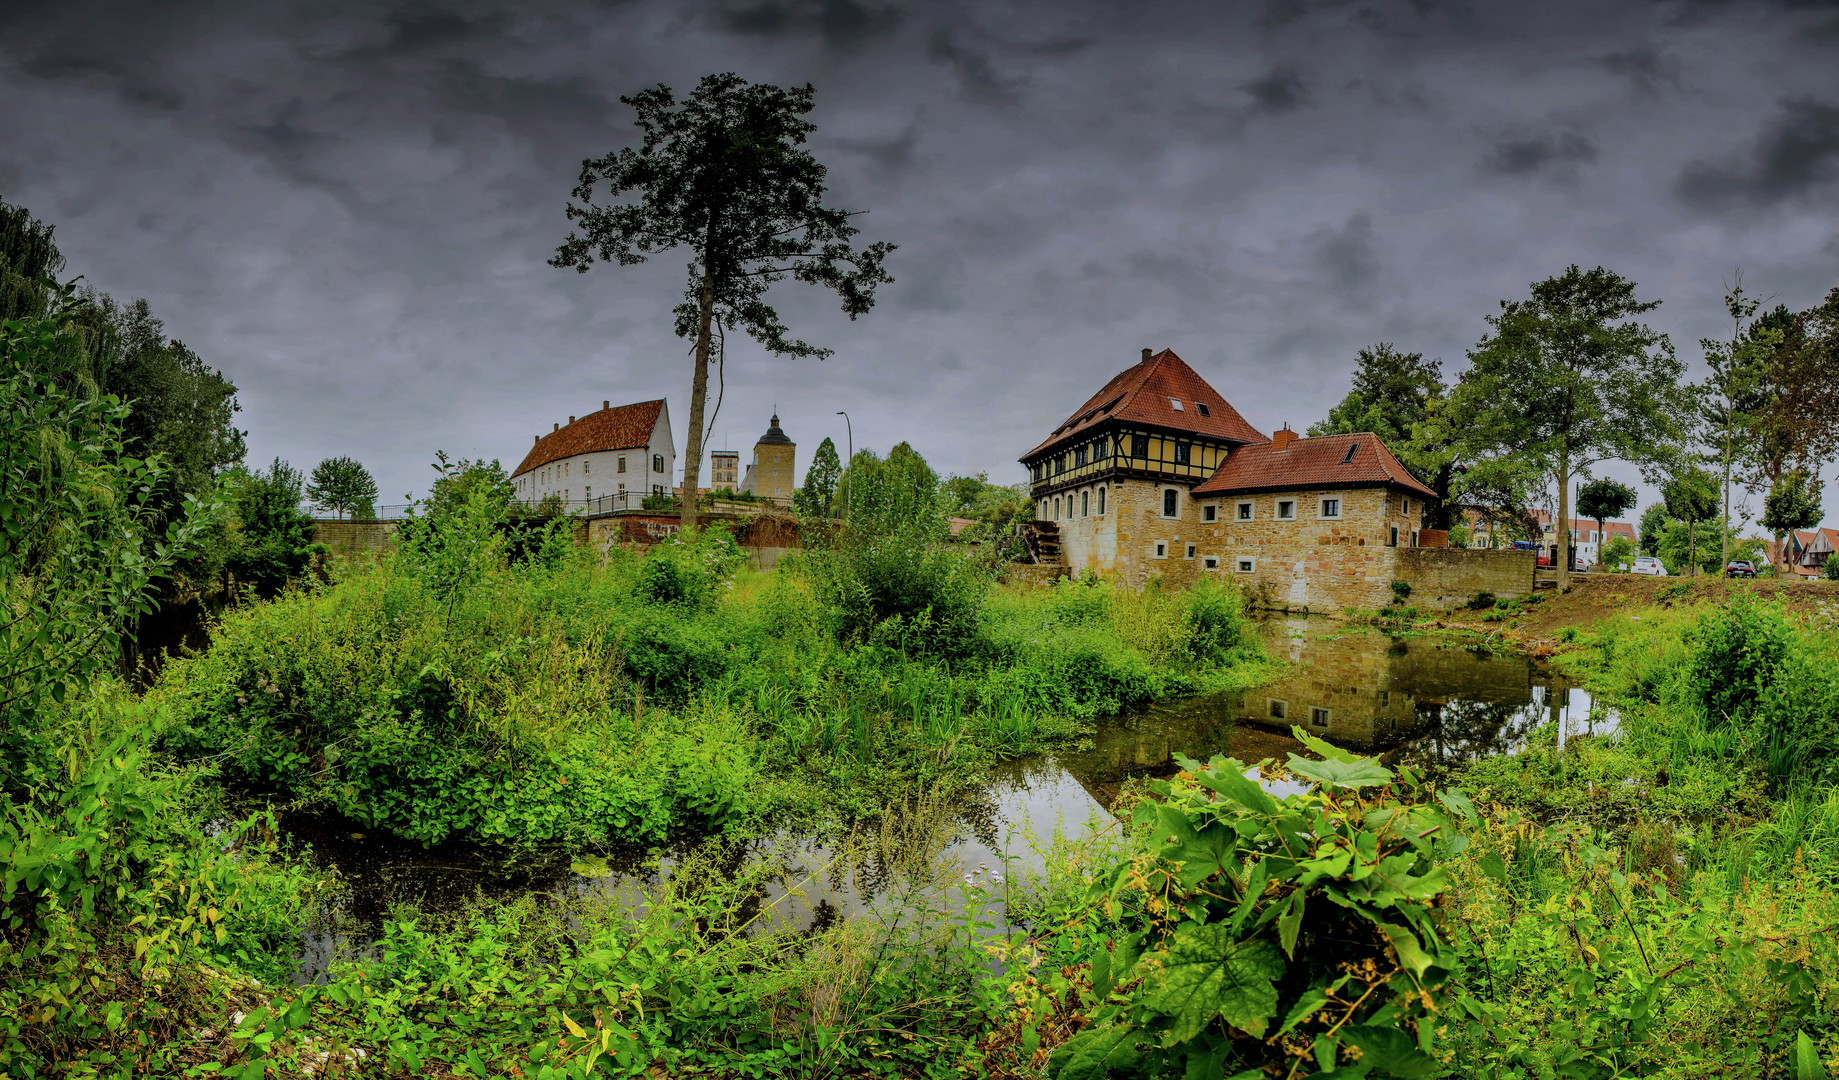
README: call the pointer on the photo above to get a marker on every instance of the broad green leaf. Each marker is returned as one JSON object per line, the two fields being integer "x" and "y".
{"x": 1807, "y": 1063}
{"x": 1328, "y": 750}
{"x": 1290, "y": 923}
{"x": 1410, "y": 954}
{"x": 1095, "y": 1052}
{"x": 1240, "y": 788}
{"x": 1390, "y": 1052}
{"x": 1361, "y": 772}
{"x": 1206, "y": 974}
{"x": 1306, "y": 1006}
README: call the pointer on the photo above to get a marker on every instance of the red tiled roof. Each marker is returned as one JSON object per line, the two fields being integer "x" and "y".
{"x": 1312, "y": 463}
{"x": 623, "y": 427}
{"x": 1142, "y": 394}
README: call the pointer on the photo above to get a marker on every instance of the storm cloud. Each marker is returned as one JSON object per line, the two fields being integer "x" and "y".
{"x": 348, "y": 205}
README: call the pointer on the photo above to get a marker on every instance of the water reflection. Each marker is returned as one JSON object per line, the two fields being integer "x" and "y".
{"x": 1430, "y": 701}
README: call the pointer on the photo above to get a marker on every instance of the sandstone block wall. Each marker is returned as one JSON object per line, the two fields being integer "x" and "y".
{"x": 1445, "y": 577}
{"x": 1311, "y": 562}
{"x": 349, "y": 538}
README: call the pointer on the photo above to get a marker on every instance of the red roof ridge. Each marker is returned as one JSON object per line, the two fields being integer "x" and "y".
{"x": 1120, "y": 398}
{"x": 1308, "y": 461}
{"x": 619, "y": 427}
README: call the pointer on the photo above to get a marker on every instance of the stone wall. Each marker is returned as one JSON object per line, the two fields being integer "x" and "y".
{"x": 349, "y": 538}
{"x": 765, "y": 537}
{"x": 1038, "y": 576}
{"x": 1445, "y": 577}
{"x": 1310, "y": 562}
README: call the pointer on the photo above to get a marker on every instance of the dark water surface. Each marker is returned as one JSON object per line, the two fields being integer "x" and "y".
{"x": 1429, "y": 701}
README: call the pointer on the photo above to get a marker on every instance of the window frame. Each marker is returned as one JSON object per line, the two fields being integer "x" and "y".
{"x": 1210, "y": 512}
{"x": 1190, "y": 549}
{"x": 1184, "y": 453}
{"x": 1281, "y": 503}
{"x": 1392, "y": 540}
{"x": 1160, "y": 550}
{"x": 1322, "y": 505}
{"x": 1276, "y": 709}
{"x": 1085, "y": 504}
{"x": 1320, "y": 717}
{"x": 1171, "y": 497}
{"x": 1245, "y": 510}
{"x": 621, "y": 466}
{"x": 1101, "y": 500}
{"x": 1210, "y": 562}
{"x": 1139, "y": 445}
{"x": 1245, "y": 564}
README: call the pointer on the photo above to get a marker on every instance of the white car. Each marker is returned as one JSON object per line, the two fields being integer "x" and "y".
{"x": 1648, "y": 564}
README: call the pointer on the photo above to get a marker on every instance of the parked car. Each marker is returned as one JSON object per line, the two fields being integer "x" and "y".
{"x": 1740, "y": 568}
{"x": 1648, "y": 564}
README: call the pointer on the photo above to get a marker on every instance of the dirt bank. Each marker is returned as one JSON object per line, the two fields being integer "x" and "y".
{"x": 1594, "y": 597}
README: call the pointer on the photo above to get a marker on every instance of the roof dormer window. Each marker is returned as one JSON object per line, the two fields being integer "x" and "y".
{"x": 1352, "y": 449}
{"x": 1175, "y": 403}
{"x": 1201, "y": 406}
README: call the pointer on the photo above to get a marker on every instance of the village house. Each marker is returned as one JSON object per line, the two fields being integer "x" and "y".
{"x": 1157, "y": 474}
{"x": 1585, "y": 536}
{"x": 606, "y": 460}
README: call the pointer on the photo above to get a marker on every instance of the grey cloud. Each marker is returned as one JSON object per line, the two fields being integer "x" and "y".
{"x": 1647, "y": 69}
{"x": 842, "y": 24}
{"x": 1278, "y": 90}
{"x": 430, "y": 28}
{"x": 1554, "y": 155}
{"x": 1795, "y": 155}
{"x": 1347, "y": 261}
{"x": 975, "y": 71}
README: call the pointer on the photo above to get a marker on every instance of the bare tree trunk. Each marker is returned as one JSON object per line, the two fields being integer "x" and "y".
{"x": 1724, "y": 522}
{"x": 1563, "y": 559}
{"x": 699, "y": 393}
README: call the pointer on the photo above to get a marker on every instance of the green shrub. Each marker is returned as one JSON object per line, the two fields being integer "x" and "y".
{"x": 1740, "y": 646}
{"x": 1289, "y": 934}
{"x": 1481, "y": 600}
{"x": 1400, "y": 591}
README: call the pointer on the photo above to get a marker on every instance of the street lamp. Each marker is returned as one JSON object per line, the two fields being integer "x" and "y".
{"x": 849, "y": 434}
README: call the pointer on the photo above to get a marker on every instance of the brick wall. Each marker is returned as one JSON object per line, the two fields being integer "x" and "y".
{"x": 1321, "y": 564}
{"x": 350, "y": 538}
{"x": 1445, "y": 577}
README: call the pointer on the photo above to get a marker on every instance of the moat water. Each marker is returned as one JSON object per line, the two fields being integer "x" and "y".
{"x": 1427, "y": 701}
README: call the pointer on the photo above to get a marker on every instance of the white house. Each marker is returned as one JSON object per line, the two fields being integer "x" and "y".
{"x": 606, "y": 460}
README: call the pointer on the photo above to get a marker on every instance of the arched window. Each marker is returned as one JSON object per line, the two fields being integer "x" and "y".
{"x": 1056, "y": 508}
{"x": 1101, "y": 502}
{"x": 1168, "y": 502}
{"x": 1085, "y": 504}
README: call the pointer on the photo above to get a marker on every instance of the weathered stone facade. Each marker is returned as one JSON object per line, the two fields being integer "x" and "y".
{"x": 1308, "y": 560}
{"x": 349, "y": 538}
{"x": 772, "y": 474}
{"x": 1445, "y": 577}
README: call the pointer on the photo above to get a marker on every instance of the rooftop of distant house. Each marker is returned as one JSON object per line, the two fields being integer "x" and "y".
{"x": 625, "y": 427}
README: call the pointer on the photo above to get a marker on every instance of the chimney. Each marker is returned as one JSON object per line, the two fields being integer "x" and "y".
{"x": 605, "y": 405}
{"x": 1146, "y": 355}
{"x": 534, "y": 439}
{"x": 1281, "y": 440}
{"x": 571, "y": 419}
{"x": 555, "y": 427}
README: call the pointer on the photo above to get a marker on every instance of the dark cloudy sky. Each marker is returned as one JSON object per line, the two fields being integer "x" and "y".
{"x": 349, "y": 206}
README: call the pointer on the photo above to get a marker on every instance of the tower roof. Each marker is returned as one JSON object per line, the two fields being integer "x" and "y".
{"x": 622, "y": 427}
{"x": 1162, "y": 391}
{"x": 773, "y": 436}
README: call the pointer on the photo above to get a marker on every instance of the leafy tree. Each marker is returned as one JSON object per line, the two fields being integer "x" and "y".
{"x": 274, "y": 537}
{"x": 725, "y": 176}
{"x": 1794, "y": 406}
{"x": 1568, "y": 378}
{"x": 1730, "y": 393}
{"x": 1600, "y": 500}
{"x": 340, "y": 484}
{"x": 1617, "y": 551}
{"x": 1654, "y": 521}
{"x": 28, "y": 256}
{"x": 1792, "y": 504}
{"x": 1692, "y": 497}
{"x": 79, "y": 556}
{"x": 819, "y": 491}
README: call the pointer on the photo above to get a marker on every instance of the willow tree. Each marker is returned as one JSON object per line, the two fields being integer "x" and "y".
{"x": 1570, "y": 377}
{"x": 724, "y": 175}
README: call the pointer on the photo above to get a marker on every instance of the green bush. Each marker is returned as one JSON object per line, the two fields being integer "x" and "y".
{"x": 1740, "y": 646}
{"x": 1254, "y": 933}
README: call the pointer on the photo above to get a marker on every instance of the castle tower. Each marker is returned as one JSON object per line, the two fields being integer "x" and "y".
{"x": 771, "y": 475}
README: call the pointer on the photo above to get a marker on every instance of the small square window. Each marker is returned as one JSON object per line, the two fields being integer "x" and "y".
{"x": 1245, "y": 511}
{"x": 1190, "y": 551}
{"x": 1211, "y": 562}
{"x": 1275, "y": 709}
{"x": 1175, "y": 403}
{"x": 1209, "y": 513}
{"x": 1202, "y": 407}
{"x": 1331, "y": 508}
{"x": 1247, "y": 566}
{"x": 1318, "y": 716}
{"x": 1286, "y": 510}
{"x": 1162, "y": 551}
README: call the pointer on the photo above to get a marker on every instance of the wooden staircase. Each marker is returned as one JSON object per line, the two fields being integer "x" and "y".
{"x": 1044, "y": 543}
